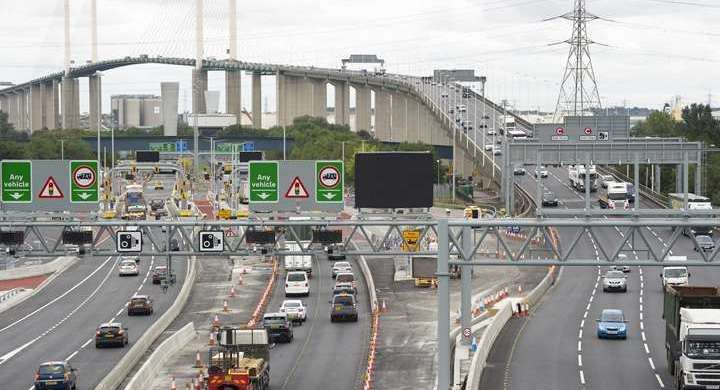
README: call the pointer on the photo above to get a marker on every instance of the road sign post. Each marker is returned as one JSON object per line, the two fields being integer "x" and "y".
{"x": 263, "y": 181}
{"x": 329, "y": 182}
{"x": 83, "y": 182}
{"x": 16, "y": 181}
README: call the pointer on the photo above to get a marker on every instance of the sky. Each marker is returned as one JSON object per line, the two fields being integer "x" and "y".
{"x": 647, "y": 51}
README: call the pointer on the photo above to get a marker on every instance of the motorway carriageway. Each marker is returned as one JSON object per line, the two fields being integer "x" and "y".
{"x": 59, "y": 322}
{"x": 323, "y": 355}
{"x": 558, "y": 347}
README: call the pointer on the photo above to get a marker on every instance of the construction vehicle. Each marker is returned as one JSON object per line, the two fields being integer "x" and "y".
{"x": 241, "y": 360}
{"x": 692, "y": 325}
{"x": 695, "y": 202}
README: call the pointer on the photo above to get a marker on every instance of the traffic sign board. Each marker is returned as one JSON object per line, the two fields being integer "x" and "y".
{"x": 16, "y": 181}
{"x": 588, "y": 131}
{"x": 51, "y": 190}
{"x": 163, "y": 146}
{"x": 83, "y": 182}
{"x": 559, "y": 131}
{"x": 296, "y": 189}
{"x": 329, "y": 181}
{"x": 263, "y": 180}
{"x": 467, "y": 333}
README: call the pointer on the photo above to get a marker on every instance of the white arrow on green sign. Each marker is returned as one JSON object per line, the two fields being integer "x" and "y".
{"x": 263, "y": 181}
{"x": 84, "y": 181}
{"x": 329, "y": 181}
{"x": 16, "y": 181}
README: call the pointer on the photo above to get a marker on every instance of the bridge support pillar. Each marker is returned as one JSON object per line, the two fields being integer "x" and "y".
{"x": 304, "y": 97}
{"x": 383, "y": 112}
{"x": 23, "y": 110}
{"x": 12, "y": 109}
{"x": 257, "y": 100}
{"x": 656, "y": 179}
{"x": 679, "y": 178}
{"x": 399, "y": 117}
{"x": 342, "y": 103}
{"x": 70, "y": 103}
{"x": 319, "y": 98}
{"x": 169, "y": 92}
{"x": 233, "y": 95}
{"x": 413, "y": 123}
{"x": 199, "y": 86}
{"x": 95, "y": 89}
{"x": 36, "y": 108}
{"x": 281, "y": 98}
{"x": 50, "y": 105}
{"x": 363, "y": 108}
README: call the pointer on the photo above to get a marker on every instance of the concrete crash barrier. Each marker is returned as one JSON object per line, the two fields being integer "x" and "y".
{"x": 368, "y": 279}
{"x": 160, "y": 356}
{"x": 9, "y": 294}
{"x": 59, "y": 264}
{"x": 498, "y": 323}
{"x": 115, "y": 377}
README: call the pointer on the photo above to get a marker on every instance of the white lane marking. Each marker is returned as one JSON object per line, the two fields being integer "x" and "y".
{"x": 72, "y": 355}
{"x": 647, "y": 350}
{"x": 580, "y": 334}
{"x": 582, "y": 324}
{"x": 579, "y": 346}
{"x": 85, "y": 344}
{"x": 585, "y": 315}
{"x": 582, "y": 377}
{"x": 651, "y": 363}
{"x": 642, "y": 326}
{"x": 579, "y": 360}
{"x": 641, "y": 316}
{"x": 640, "y": 300}
{"x": 587, "y": 308}
{"x": 58, "y": 298}
{"x": 591, "y": 298}
{"x": 660, "y": 382}
{"x": 4, "y": 359}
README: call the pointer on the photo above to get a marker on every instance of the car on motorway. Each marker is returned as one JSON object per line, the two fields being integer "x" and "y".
{"x": 295, "y": 310}
{"x": 497, "y": 151}
{"x": 343, "y": 308}
{"x": 705, "y": 243}
{"x": 489, "y": 147}
{"x": 340, "y": 267}
{"x": 444, "y": 95}
{"x": 344, "y": 288}
{"x": 55, "y": 375}
{"x": 136, "y": 259}
{"x": 278, "y": 327}
{"x": 631, "y": 192}
{"x": 174, "y": 245}
{"x": 519, "y": 171}
{"x": 128, "y": 268}
{"x": 159, "y": 274}
{"x": 612, "y": 324}
{"x": 614, "y": 281}
{"x": 605, "y": 179}
{"x": 156, "y": 204}
{"x": 549, "y": 199}
{"x": 296, "y": 283}
{"x": 346, "y": 277}
{"x": 159, "y": 185}
{"x": 111, "y": 333}
{"x": 140, "y": 304}
{"x": 541, "y": 171}
{"x": 491, "y": 132}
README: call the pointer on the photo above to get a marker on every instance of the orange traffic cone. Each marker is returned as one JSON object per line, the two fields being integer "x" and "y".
{"x": 172, "y": 384}
{"x": 232, "y": 292}
{"x": 198, "y": 360}
{"x": 225, "y": 306}
{"x": 211, "y": 339}
{"x": 240, "y": 281}
{"x": 216, "y": 321}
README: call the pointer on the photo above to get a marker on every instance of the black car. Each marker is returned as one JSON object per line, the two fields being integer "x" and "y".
{"x": 278, "y": 327}
{"x": 549, "y": 200}
{"x": 157, "y": 204}
{"x": 140, "y": 304}
{"x": 111, "y": 333}
{"x": 55, "y": 375}
{"x": 343, "y": 308}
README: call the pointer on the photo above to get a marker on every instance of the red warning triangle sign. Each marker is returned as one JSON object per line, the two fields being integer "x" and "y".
{"x": 297, "y": 189}
{"x": 50, "y": 190}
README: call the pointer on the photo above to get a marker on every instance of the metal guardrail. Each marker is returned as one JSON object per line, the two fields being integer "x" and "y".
{"x": 9, "y": 294}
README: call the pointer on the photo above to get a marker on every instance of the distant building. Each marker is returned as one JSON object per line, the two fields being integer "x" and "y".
{"x": 141, "y": 111}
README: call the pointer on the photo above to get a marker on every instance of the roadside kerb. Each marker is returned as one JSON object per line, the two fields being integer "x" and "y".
{"x": 157, "y": 359}
{"x": 492, "y": 330}
{"x": 115, "y": 377}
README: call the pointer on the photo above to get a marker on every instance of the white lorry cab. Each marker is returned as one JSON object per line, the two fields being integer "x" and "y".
{"x": 614, "y": 196}
{"x": 676, "y": 275}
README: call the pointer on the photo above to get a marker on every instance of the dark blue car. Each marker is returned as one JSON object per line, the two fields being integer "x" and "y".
{"x": 55, "y": 375}
{"x": 612, "y": 324}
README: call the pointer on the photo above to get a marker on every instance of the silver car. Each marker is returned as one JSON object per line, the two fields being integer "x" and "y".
{"x": 705, "y": 243}
{"x": 341, "y": 267}
{"x": 614, "y": 281}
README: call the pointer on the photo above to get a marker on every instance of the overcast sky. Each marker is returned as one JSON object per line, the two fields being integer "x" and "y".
{"x": 656, "y": 49}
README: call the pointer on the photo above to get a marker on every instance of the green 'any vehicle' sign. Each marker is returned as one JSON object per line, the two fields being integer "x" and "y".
{"x": 263, "y": 181}
{"x": 83, "y": 181}
{"x": 329, "y": 181}
{"x": 16, "y": 181}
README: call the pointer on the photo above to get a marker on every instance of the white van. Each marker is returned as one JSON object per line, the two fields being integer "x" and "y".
{"x": 675, "y": 275}
{"x": 297, "y": 283}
